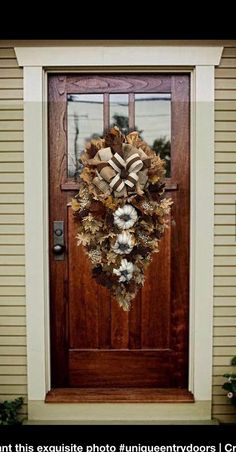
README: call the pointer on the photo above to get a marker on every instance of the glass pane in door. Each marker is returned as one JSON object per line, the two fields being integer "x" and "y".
{"x": 85, "y": 121}
{"x": 119, "y": 111}
{"x": 153, "y": 121}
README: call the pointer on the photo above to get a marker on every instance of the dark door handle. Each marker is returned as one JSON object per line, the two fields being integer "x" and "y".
{"x": 58, "y": 249}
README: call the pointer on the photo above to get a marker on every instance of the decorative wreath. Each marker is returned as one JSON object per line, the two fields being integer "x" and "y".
{"x": 120, "y": 210}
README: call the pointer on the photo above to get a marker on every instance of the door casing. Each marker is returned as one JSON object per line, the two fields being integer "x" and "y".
{"x": 35, "y": 61}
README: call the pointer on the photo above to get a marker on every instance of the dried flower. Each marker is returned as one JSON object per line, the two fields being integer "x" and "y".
{"x": 125, "y": 217}
{"x": 124, "y": 243}
{"x": 95, "y": 256}
{"x": 125, "y": 271}
{"x": 230, "y": 395}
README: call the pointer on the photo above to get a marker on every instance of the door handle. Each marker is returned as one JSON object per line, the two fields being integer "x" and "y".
{"x": 58, "y": 249}
{"x": 58, "y": 241}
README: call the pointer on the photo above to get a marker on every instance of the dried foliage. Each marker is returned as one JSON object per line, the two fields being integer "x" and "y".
{"x": 120, "y": 228}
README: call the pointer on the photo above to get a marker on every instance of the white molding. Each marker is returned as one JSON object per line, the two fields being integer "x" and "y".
{"x": 119, "y": 412}
{"x": 37, "y": 61}
{"x": 202, "y": 230}
{"x": 118, "y": 56}
{"x": 34, "y": 230}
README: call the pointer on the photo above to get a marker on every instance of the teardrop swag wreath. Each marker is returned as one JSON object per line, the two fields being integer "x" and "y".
{"x": 120, "y": 210}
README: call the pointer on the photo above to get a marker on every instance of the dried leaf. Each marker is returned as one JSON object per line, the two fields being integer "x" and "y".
{"x": 75, "y": 205}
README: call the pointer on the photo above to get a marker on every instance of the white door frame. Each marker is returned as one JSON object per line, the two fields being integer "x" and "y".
{"x": 199, "y": 62}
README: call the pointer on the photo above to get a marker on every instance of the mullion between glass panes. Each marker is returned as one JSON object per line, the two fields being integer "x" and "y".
{"x": 131, "y": 111}
{"x": 106, "y": 112}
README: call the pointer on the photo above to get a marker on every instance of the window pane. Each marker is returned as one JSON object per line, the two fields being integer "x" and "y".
{"x": 85, "y": 121}
{"x": 153, "y": 121}
{"x": 119, "y": 112}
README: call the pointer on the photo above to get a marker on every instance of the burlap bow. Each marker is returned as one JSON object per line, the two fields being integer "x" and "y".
{"x": 121, "y": 173}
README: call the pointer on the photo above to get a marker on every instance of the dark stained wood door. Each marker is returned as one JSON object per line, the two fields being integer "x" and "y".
{"x": 94, "y": 343}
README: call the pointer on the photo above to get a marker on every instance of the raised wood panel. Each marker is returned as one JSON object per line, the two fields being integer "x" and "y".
{"x": 156, "y": 298}
{"x": 95, "y": 307}
{"x": 133, "y": 368}
{"x": 123, "y": 83}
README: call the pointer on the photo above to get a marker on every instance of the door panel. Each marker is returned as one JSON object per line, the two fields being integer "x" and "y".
{"x": 94, "y": 342}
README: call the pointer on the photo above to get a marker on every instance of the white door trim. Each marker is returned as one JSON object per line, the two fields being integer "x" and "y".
{"x": 200, "y": 62}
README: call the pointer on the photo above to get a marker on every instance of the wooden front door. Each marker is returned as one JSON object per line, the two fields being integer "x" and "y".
{"x": 94, "y": 343}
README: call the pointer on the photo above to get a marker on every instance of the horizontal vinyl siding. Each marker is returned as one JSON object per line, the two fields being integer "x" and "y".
{"x": 13, "y": 381}
{"x": 225, "y": 239}
{"x": 12, "y": 291}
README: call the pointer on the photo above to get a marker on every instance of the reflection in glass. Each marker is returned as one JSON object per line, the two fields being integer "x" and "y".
{"x": 119, "y": 112}
{"x": 85, "y": 121}
{"x": 153, "y": 121}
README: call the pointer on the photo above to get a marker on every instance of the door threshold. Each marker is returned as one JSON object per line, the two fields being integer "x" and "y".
{"x": 118, "y": 395}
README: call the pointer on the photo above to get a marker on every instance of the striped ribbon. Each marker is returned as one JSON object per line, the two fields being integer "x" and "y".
{"x": 132, "y": 165}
